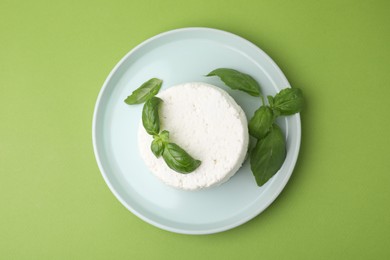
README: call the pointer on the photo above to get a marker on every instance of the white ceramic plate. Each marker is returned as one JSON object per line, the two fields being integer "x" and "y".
{"x": 178, "y": 56}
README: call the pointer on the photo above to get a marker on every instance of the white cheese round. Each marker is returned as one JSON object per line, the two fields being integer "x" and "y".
{"x": 207, "y": 123}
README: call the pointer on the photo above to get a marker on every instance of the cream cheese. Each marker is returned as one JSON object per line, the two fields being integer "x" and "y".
{"x": 206, "y": 122}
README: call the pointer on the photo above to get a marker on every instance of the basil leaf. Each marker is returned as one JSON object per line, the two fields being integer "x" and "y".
{"x": 157, "y": 147}
{"x": 179, "y": 160}
{"x": 237, "y": 80}
{"x": 147, "y": 90}
{"x": 150, "y": 118}
{"x": 261, "y": 122}
{"x": 164, "y": 135}
{"x": 268, "y": 155}
{"x": 159, "y": 142}
{"x": 288, "y": 101}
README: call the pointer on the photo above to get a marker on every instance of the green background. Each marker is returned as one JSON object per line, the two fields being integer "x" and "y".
{"x": 54, "y": 58}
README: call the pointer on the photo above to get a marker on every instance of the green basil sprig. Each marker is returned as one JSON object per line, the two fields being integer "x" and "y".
{"x": 268, "y": 156}
{"x": 261, "y": 122}
{"x": 237, "y": 80}
{"x": 288, "y": 101}
{"x": 159, "y": 142}
{"x": 174, "y": 156}
{"x": 179, "y": 160}
{"x": 147, "y": 90}
{"x": 150, "y": 118}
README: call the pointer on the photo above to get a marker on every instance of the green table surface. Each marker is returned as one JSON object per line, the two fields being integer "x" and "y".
{"x": 54, "y": 58}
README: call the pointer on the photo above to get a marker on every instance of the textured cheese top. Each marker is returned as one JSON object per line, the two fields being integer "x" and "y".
{"x": 207, "y": 123}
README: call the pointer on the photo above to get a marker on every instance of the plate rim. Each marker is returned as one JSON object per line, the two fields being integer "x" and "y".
{"x": 241, "y": 221}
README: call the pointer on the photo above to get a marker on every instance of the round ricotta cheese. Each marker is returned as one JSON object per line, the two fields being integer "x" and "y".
{"x": 207, "y": 123}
